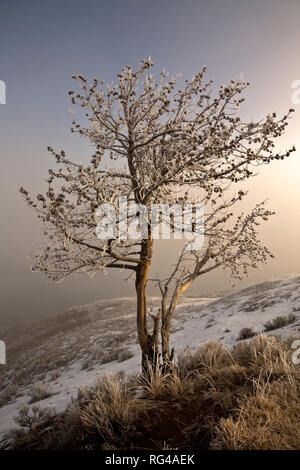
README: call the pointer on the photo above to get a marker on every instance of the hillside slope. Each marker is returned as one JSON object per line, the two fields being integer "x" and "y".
{"x": 62, "y": 353}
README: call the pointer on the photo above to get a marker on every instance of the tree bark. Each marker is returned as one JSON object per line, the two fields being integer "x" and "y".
{"x": 148, "y": 342}
{"x": 167, "y": 317}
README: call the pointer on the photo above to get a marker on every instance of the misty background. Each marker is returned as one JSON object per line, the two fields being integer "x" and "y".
{"x": 42, "y": 44}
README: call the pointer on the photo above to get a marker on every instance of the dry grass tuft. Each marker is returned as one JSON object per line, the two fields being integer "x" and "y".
{"x": 280, "y": 322}
{"x": 210, "y": 354}
{"x": 268, "y": 420}
{"x": 39, "y": 391}
{"x": 246, "y": 333}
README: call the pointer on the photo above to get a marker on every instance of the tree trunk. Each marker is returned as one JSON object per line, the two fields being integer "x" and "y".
{"x": 146, "y": 341}
{"x": 167, "y": 355}
{"x": 166, "y": 324}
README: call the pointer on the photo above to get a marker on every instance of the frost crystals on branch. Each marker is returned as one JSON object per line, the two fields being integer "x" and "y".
{"x": 157, "y": 143}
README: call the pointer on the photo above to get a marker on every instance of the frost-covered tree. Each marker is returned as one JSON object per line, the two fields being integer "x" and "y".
{"x": 157, "y": 143}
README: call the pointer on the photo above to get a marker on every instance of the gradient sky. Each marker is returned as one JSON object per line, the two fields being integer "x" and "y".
{"x": 43, "y": 43}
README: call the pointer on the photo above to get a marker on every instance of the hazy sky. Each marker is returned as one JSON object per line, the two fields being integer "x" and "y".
{"x": 43, "y": 43}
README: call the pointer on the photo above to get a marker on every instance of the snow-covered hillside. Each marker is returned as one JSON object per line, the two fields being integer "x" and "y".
{"x": 67, "y": 351}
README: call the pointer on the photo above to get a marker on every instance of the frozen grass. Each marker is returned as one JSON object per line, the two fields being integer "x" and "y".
{"x": 246, "y": 333}
{"x": 9, "y": 393}
{"x": 35, "y": 416}
{"x": 280, "y": 322}
{"x": 39, "y": 391}
{"x": 246, "y": 397}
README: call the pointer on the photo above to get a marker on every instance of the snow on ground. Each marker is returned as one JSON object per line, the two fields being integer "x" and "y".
{"x": 69, "y": 350}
